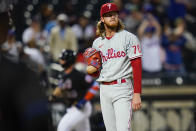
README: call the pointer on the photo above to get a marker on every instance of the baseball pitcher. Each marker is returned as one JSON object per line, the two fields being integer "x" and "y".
{"x": 120, "y": 72}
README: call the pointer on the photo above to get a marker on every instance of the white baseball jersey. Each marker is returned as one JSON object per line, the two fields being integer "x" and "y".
{"x": 116, "y": 54}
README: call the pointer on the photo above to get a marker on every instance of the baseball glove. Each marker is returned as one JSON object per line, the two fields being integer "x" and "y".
{"x": 93, "y": 59}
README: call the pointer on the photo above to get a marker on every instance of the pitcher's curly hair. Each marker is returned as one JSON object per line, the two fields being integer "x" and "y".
{"x": 100, "y": 30}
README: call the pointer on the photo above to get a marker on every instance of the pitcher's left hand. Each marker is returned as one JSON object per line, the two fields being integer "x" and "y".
{"x": 136, "y": 101}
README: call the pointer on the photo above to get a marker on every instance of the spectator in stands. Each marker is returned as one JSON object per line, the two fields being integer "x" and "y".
{"x": 84, "y": 31}
{"x": 50, "y": 24}
{"x": 36, "y": 60}
{"x": 159, "y": 11}
{"x": 149, "y": 32}
{"x": 32, "y": 38}
{"x": 173, "y": 42}
{"x": 177, "y": 8}
{"x": 11, "y": 47}
{"x": 45, "y": 13}
{"x": 190, "y": 46}
{"x": 62, "y": 37}
{"x": 134, "y": 18}
{"x": 72, "y": 9}
{"x": 131, "y": 14}
{"x": 137, "y": 3}
{"x": 32, "y": 32}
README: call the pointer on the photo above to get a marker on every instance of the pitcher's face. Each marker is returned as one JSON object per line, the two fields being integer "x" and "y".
{"x": 110, "y": 19}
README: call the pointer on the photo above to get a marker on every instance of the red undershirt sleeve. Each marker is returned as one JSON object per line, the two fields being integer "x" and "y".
{"x": 137, "y": 74}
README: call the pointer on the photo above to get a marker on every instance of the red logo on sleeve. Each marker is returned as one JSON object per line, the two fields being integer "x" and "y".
{"x": 137, "y": 48}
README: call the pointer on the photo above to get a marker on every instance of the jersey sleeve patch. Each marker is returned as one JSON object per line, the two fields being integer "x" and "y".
{"x": 133, "y": 48}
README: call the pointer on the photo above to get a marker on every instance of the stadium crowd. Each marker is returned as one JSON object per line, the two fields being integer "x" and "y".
{"x": 166, "y": 30}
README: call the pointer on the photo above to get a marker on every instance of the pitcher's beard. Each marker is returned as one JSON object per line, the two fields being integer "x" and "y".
{"x": 111, "y": 26}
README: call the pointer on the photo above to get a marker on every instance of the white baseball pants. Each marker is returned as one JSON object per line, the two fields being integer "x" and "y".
{"x": 116, "y": 106}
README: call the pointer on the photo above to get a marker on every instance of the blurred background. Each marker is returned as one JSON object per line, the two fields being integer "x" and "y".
{"x": 166, "y": 29}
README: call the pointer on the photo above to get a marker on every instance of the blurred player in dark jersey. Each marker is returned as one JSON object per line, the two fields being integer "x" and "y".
{"x": 77, "y": 88}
